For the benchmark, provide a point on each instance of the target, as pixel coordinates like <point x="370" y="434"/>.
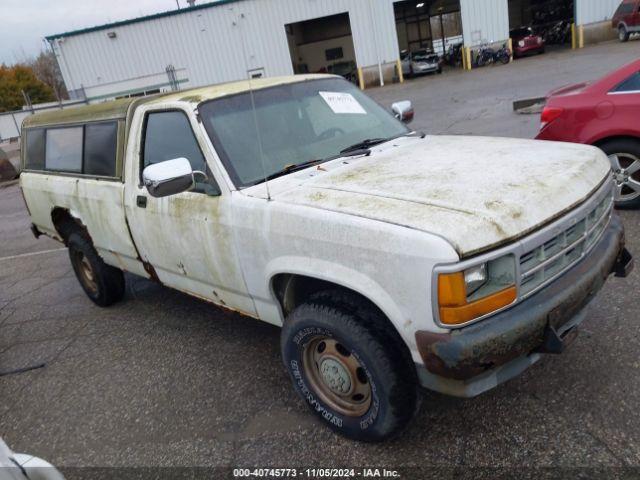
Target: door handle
<point x="141" y="201"/>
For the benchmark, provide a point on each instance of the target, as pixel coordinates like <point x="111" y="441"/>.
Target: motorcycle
<point x="503" y="55"/>
<point x="487" y="56"/>
<point x="558" y="34"/>
<point x="453" y="56"/>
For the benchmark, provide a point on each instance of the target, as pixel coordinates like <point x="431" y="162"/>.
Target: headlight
<point x="521" y="43"/>
<point x="477" y="291"/>
<point x="475" y="277"/>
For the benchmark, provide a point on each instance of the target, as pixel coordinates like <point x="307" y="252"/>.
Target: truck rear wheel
<point x="103" y="284"/>
<point x="350" y="366"/>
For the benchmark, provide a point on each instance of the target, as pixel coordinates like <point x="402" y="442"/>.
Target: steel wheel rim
<point x="336" y="376"/>
<point x="84" y="268"/>
<point x="626" y="176"/>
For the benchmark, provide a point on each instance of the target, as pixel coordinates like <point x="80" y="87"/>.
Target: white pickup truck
<point x="391" y="259"/>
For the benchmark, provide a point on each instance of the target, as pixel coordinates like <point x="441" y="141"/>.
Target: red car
<point x="605" y="113"/>
<point x="627" y="19"/>
<point x="525" y="42"/>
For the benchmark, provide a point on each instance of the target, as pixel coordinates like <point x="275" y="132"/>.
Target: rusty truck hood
<point x="475" y="192"/>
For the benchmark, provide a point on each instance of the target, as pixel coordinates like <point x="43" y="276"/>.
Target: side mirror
<point x="403" y="111"/>
<point x="168" y="178"/>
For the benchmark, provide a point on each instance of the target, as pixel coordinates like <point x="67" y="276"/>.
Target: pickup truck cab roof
<point x="121" y="108"/>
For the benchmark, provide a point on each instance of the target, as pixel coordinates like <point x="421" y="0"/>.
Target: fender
<point x="339" y="275"/>
<point x="610" y="134"/>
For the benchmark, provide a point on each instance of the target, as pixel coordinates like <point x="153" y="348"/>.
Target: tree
<point x="45" y="67"/>
<point x="17" y="79"/>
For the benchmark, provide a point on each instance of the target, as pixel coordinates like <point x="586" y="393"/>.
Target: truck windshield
<point x="297" y="123"/>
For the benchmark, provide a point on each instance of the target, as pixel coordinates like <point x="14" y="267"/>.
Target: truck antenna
<point x="253" y="104"/>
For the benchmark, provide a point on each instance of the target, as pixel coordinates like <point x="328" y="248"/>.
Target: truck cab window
<point x="168" y="135"/>
<point x="34" y="154"/>
<point x="100" y="144"/>
<point x="63" y="149"/>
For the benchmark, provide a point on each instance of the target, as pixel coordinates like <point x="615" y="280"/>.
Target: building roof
<point x="145" y="18"/>
<point x="118" y="109"/>
<point x="211" y="92"/>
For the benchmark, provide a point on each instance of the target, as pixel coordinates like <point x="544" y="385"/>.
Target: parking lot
<point x="162" y="379"/>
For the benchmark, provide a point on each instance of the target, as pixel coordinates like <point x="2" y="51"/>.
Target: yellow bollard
<point x="510" y="44"/>
<point x="581" y="36"/>
<point x="360" y="78"/>
<point x="574" y="42"/>
<point x="400" y="74"/>
<point x="468" y="55"/>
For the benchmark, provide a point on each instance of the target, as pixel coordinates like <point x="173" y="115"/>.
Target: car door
<point x="185" y="240"/>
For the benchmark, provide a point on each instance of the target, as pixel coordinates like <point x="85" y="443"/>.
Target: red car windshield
<point x="521" y="32"/>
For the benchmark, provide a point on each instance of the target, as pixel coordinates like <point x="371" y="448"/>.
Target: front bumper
<point x="528" y="50"/>
<point x="474" y="359"/>
<point x="427" y="68"/>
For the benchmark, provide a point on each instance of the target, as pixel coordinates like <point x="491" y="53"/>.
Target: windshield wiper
<point x="369" y="142"/>
<point x="372" y="142"/>
<point x="310" y="163"/>
<point x="294" y="168"/>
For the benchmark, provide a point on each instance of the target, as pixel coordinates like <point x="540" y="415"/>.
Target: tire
<point x="343" y="335"/>
<point x="102" y="283"/>
<point x="505" y="59"/>
<point x="623" y="35"/>
<point x="624" y="155"/>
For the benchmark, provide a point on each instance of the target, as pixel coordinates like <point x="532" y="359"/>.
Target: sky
<point x="25" y="23"/>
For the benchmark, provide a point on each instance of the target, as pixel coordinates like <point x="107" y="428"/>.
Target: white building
<point x="231" y="39"/>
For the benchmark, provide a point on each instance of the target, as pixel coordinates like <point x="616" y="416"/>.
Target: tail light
<point x="550" y="114"/>
<point x="539" y="40"/>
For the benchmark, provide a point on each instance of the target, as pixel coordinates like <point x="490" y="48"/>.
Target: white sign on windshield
<point x="341" y="102"/>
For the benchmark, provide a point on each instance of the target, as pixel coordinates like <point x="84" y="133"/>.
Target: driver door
<point x="185" y="240"/>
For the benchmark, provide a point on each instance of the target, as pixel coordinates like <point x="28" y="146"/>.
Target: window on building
<point x="168" y="135"/>
<point x="34" y="154"/>
<point x="63" y="149"/>
<point x="334" y="54"/>
<point x="100" y="143"/>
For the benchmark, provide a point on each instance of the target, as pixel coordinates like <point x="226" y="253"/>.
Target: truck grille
<point x="550" y="259"/>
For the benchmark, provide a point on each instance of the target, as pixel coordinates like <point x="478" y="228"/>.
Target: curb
<point x="9" y="183"/>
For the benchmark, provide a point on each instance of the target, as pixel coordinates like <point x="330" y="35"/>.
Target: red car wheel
<point x="625" y="161"/>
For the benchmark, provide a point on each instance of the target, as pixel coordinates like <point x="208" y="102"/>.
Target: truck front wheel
<point x="350" y="366"/>
<point x="103" y="284"/>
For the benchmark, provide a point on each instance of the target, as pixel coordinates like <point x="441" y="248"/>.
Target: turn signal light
<point x="455" y="309"/>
